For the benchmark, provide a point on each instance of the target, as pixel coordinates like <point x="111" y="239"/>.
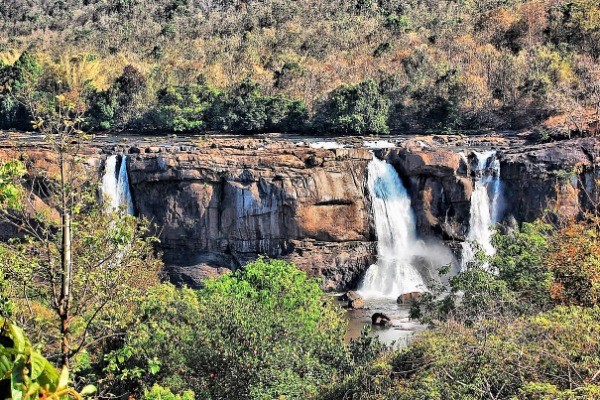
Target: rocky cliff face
<point x="220" y="207"/>
<point x="560" y="180"/>
<point x="222" y="203"/>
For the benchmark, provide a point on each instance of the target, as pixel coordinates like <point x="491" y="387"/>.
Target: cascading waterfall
<point x="115" y="186"/>
<point x="393" y="274"/>
<point x="486" y="206"/>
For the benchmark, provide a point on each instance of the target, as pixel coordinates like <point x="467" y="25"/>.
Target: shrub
<point x="260" y="333"/>
<point x="15" y="81"/>
<point x="243" y="109"/>
<point x="121" y="104"/>
<point x="159" y="393"/>
<point x="184" y="108"/>
<point x="354" y="109"/>
<point x="550" y="355"/>
<point x="574" y="260"/>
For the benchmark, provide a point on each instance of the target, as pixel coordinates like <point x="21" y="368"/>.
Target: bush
<point x="246" y="109"/>
<point x="184" y="108"/>
<point x="15" y="81"/>
<point x="159" y="393"/>
<point x="260" y="333"/>
<point x="550" y="355"/>
<point x="119" y="106"/>
<point x="354" y="109"/>
<point x="516" y="281"/>
<point x="521" y="262"/>
<point x="574" y="260"/>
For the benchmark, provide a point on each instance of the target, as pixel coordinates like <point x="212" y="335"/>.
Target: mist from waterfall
<point x="486" y="206"/>
<point x="115" y="185"/>
<point x="399" y="251"/>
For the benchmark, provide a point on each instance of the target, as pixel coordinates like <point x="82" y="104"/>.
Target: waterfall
<point x="486" y="205"/>
<point x="397" y="243"/>
<point x="115" y="186"/>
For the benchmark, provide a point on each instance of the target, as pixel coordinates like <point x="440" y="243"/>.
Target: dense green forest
<point x="360" y="66"/>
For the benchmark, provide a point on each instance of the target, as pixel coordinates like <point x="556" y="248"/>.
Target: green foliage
<point x="551" y="354"/>
<point x="119" y="106"/>
<point x="11" y="192"/>
<point x="159" y="393"/>
<point x="354" y="109"/>
<point x="15" y="82"/>
<point x="469" y="64"/>
<point x="260" y="333"/>
<point x="515" y="281"/>
<point x="184" y="108"/>
<point x="246" y="109"/>
<point x="521" y="262"/>
<point x="26" y="374"/>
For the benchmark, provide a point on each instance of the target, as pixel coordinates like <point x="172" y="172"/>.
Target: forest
<point x="343" y="67"/>
<point x="86" y="310"/>
<point x="81" y="290"/>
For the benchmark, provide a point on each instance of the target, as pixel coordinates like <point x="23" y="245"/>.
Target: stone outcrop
<point x="221" y="203"/>
<point x="221" y="207"/>
<point x="558" y="178"/>
<point x="409" y="298"/>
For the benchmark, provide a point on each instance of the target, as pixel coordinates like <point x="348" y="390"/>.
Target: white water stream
<point x="486" y="206"/>
<point x="115" y="186"/>
<point x="397" y="243"/>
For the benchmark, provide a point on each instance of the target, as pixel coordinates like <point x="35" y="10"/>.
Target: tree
<point x="354" y="109"/>
<point x="535" y="357"/>
<point x="262" y="332"/>
<point x="574" y="259"/>
<point x="77" y="268"/>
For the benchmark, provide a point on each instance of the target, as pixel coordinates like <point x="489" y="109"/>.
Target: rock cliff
<point x="223" y="202"/>
<point x="220" y="207"/>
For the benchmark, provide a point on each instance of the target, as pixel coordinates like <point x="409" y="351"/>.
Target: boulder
<point x="409" y="298"/>
<point x="381" y="319"/>
<point x="354" y="300"/>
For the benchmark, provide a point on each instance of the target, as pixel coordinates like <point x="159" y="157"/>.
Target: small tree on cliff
<point x="76" y="267"/>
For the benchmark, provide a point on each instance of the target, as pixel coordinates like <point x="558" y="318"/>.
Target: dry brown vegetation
<point x="459" y="64"/>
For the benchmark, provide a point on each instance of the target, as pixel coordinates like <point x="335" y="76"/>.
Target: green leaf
<point x="88" y="390"/>
<point x="18" y="337"/>
<point x="63" y="381"/>
<point x="16" y="379"/>
<point x="38" y="365"/>
<point x="154" y="368"/>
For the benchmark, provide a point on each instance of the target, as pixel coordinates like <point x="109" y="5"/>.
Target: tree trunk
<point x="65" y="294"/>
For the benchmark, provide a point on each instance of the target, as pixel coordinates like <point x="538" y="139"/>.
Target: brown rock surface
<point x="294" y="202"/>
<point x="220" y="203"/>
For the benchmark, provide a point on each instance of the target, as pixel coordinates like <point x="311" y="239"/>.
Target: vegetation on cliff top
<point x="361" y="66"/>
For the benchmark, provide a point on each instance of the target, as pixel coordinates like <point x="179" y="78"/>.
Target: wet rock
<point x="381" y="319"/>
<point x="355" y="301"/>
<point x="409" y="298"/>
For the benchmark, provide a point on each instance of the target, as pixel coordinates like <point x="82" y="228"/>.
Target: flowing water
<point x="397" y="243"/>
<point x="115" y="185"/>
<point x="486" y="206"/>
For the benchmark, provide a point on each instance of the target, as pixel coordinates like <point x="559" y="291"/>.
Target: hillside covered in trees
<point x="360" y="66"/>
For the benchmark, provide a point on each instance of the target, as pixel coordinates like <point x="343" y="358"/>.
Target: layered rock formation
<point x="221" y="203"/>
<point x="220" y="207"/>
